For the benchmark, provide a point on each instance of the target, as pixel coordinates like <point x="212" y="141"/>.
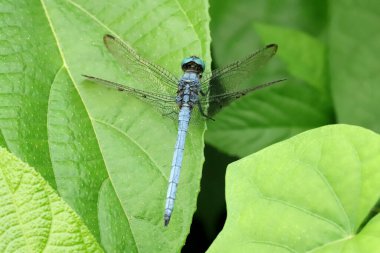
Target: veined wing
<point x="228" y="78"/>
<point x="218" y="101"/>
<point x="165" y="104"/>
<point x="150" y="76"/>
<point x="223" y="84"/>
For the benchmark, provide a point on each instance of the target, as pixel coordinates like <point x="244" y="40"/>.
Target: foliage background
<point x="331" y="47"/>
<point x="328" y="51"/>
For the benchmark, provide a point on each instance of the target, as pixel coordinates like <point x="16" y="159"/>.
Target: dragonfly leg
<point x="202" y="93"/>
<point x="202" y="112"/>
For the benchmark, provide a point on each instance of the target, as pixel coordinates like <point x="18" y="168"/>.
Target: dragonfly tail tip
<point x="166" y="220"/>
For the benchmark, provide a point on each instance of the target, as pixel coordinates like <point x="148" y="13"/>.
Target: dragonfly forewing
<point x="229" y="78"/>
<point x="149" y="75"/>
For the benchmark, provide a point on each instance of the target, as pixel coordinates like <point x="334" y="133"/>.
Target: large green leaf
<point x="298" y="104"/>
<point x="29" y="61"/>
<point x="311" y="193"/>
<point x="108" y="154"/>
<point x="354" y="55"/>
<point x="33" y="218"/>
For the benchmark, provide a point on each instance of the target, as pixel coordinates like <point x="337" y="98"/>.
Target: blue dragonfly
<point x="177" y="98"/>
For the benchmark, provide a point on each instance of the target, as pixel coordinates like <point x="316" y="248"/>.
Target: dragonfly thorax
<point x="188" y="89"/>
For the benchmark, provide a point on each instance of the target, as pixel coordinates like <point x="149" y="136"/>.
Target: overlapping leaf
<point x="311" y="193"/>
<point x="33" y="218"/>
<point x="108" y="154"/>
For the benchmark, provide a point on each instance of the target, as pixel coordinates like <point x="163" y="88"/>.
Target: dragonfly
<point x="196" y="95"/>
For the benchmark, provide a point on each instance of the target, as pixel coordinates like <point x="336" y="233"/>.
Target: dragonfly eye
<point x="192" y="66"/>
<point x="193" y="63"/>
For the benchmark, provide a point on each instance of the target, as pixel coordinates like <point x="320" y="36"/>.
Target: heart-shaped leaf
<point x="311" y="193"/>
<point x="33" y="218"/>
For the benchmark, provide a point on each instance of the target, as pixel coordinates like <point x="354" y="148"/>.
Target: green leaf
<point x="108" y="154"/>
<point x="306" y="61"/>
<point x="311" y="193"/>
<point x="354" y="56"/>
<point x="300" y="103"/>
<point x="75" y="154"/>
<point x="29" y="61"/>
<point x="231" y="23"/>
<point x="33" y="217"/>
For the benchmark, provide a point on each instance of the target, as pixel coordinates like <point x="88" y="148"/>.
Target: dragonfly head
<point x="194" y="64"/>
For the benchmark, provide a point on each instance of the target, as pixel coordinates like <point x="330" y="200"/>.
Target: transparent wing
<point x="165" y="104"/>
<point x="223" y="85"/>
<point x="150" y="76"/>
<point x="229" y="78"/>
<point x="216" y="102"/>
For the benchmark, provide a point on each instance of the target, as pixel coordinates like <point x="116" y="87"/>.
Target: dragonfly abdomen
<point x="183" y="124"/>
